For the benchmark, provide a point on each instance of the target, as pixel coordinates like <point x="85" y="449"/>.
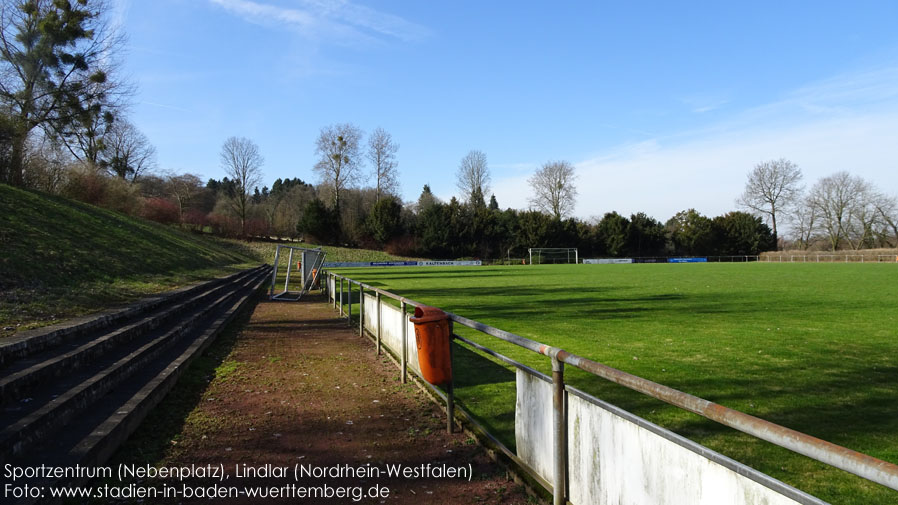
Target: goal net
<point x="299" y="272"/>
<point x="553" y="255"/>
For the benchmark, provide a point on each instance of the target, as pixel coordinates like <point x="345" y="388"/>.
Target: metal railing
<point x="867" y="467"/>
<point x="830" y="258"/>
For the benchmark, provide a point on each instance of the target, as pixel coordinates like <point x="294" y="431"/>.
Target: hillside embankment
<point x="61" y="258"/>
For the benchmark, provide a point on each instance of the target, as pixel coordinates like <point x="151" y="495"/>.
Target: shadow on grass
<point x="485" y="388"/>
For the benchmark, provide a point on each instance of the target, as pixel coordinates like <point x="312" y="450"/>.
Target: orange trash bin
<point x="432" y="338"/>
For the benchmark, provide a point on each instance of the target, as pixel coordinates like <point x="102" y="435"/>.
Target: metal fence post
<point x="560" y="428"/>
<point x="341" y="297"/>
<point x="287" y="280"/>
<point x="404" y="364"/>
<point x="450" y="389"/>
<point x="274" y="272"/>
<point x="361" y="310"/>
<point x="349" y="312"/>
<point x="379" y="314"/>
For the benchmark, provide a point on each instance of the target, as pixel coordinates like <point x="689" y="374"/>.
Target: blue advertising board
<point x="687" y="260"/>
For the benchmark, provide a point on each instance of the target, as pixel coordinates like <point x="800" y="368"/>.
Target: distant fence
<point x="587" y="451"/>
<point x="428" y="263"/>
<point x="672" y="259"/>
<point x="830" y="258"/>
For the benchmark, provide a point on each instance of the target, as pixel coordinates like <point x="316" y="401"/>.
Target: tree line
<point x="339" y="210"/>
<point x="64" y="130"/>
<point x="839" y="211"/>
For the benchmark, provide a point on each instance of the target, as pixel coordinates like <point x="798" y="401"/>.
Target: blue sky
<point x="660" y="106"/>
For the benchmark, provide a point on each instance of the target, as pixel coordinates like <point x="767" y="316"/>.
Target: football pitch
<point x="813" y="347"/>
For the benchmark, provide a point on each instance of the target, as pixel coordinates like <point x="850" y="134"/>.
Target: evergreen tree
<point x="320" y="222"/>
<point x="426" y="199"/>
<point x="645" y="236"/>
<point x="51" y="58"/>
<point x="384" y="221"/>
<point x="612" y="231"/>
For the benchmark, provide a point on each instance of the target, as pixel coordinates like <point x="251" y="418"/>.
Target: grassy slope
<point x="811" y="347"/>
<point x="266" y="251"/>
<point x="60" y="258"/>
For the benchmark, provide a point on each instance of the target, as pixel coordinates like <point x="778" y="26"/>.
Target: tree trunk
<point x="16" y="167"/>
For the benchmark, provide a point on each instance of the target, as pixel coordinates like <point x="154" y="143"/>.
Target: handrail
<point x="862" y="465"/>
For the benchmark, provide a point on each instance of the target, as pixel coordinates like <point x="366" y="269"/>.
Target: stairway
<point x="70" y="395"/>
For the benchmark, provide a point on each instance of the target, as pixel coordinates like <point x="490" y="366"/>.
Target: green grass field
<point x="811" y="347"/>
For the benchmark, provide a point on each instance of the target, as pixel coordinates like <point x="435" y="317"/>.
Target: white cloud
<point x="119" y="15"/>
<point x="849" y="122"/>
<point x="701" y="103"/>
<point x="339" y="21"/>
<point x="710" y="174"/>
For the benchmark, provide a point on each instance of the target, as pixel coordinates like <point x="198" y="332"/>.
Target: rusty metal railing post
<point x="361" y="310"/>
<point x="274" y="272"/>
<point x="379" y="313"/>
<point x="341" y="297"/>
<point x="287" y="280"/>
<point x="450" y="388"/>
<point x="559" y="426"/>
<point x="403" y="375"/>
<point x="349" y="312"/>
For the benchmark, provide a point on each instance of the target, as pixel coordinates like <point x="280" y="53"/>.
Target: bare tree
<point x="835" y="199"/>
<point x="865" y="218"/>
<point x="242" y="162"/>
<point x="338" y="167"/>
<point x="128" y="153"/>
<point x="473" y="177"/>
<point x="804" y="222"/>
<point x="553" y="188"/>
<point x="771" y="187"/>
<point x="47" y="164"/>
<point x="382" y="153"/>
<point x="86" y="136"/>
<point x="184" y="188"/>
<point x="887" y="207"/>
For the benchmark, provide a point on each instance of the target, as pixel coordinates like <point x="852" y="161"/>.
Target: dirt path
<point x="300" y="387"/>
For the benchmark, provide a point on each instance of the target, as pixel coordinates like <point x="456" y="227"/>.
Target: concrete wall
<point x="615" y="458"/>
<point x="391" y="329"/>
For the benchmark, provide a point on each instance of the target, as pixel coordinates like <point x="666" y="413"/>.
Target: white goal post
<point x="553" y="255"/>
<point x="305" y="275"/>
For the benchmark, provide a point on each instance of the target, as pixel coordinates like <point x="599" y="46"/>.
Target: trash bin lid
<point x="425" y="314"/>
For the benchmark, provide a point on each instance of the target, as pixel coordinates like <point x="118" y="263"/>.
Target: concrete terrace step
<point x="31" y="342"/>
<point x="84" y="413"/>
<point x="59" y="402"/>
<point x="21" y="375"/>
<point x="93" y="439"/>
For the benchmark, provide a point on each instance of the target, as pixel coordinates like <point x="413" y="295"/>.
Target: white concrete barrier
<point x="617" y="458"/>
<point x="391" y="329"/>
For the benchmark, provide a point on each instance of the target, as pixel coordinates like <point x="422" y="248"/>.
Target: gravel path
<point x="300" y="387"/>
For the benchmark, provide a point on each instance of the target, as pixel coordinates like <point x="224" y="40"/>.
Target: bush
<point x="224" y="226"/>
<point x="98" y="189"/>
<point x="257" y="228"/>
<point x="160" y="210"/>
<point x="405" y="245"/>
<point x="195" y="219"/>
